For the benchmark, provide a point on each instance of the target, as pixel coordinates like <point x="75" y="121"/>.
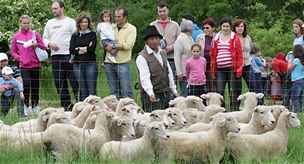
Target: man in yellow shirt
<point x="117" y="67"/>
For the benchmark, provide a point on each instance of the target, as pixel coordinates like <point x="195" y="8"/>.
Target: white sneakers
<point x="30" y="110"/>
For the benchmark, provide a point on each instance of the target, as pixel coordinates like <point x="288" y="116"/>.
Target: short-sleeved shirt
<point x="16" y="70"/>
<point x="298" y="71"/>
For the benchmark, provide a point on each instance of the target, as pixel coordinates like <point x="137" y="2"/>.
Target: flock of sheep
<point x="116" y="129"/>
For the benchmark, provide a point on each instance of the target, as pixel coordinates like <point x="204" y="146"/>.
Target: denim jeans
<point x="297" y="92"/>
<point x="286" y="90"/>
<point x="5" y="104"/>
<point x="227" y="76"/>
<point x="119" y="79"/>
<point x="183" y="87"/>
<point x="31" y="86"/>
<point x="62" y="73"/>
<point x="86" y="74"/>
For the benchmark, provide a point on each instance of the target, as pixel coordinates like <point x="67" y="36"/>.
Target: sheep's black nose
<point x="166" y="126"/>
<point x="168" y="136"/>
<point x="272" y="122"/>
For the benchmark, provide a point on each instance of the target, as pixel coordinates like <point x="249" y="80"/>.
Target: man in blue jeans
<point x="118" y="68"/>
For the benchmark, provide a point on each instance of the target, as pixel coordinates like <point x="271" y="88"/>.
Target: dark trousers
<point x="162" y="101"/>
<point x="211" y="84"/>
<point x="86" y="74"/>
<point x="62" y="73"/>
<point x="287" y="84"/>
<point x="227" y="76"/>
<point x="256" y="85"/>
<point x="6" y="101"/>
<point x="31" y="86"/>
<point x="246" y="74"/>
<point x="196" y="90"/>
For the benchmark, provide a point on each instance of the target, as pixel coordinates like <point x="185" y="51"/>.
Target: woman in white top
<point x="298" y="32"/>
<point x="240" y="27"/>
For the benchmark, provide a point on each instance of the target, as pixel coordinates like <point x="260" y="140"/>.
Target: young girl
<point x="105" y="28"/>
<point x="195" y="72"/>
<point x="256" y="67"/>
<point x="296" y="67"/>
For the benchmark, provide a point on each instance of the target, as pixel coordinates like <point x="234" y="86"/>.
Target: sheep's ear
<point x="241" y="97"/>
<point x="152" y="115"/>
<point x="222" y="97"/>
<point x="205" y="96"/>
<point x="260" y="95"/>
<point x="256" y="109"/>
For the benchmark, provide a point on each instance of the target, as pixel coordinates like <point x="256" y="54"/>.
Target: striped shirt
<point x="224" y="55"/>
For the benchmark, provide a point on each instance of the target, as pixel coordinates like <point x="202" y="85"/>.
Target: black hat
<point x="151" y="31"/>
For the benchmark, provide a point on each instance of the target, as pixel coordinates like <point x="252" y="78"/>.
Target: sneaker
<point x="36" y="109"/>
<point x="26" y="110"/>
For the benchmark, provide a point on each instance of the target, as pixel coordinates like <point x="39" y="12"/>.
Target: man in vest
<point x="155" y="74"/>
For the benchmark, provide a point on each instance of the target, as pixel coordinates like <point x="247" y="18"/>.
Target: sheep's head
<point x="156" y="130"/>
<point x="45" y="114"/>
<point x="213" y="109"/>
<point x="178" y="102"/>
<point x="277" y="110"/>
<point x="250" y="99"/>
<point x="58" y="117"/>
<point x="293" y="120"/>
<point x="111" y="101"/>
<point x="191" y="115"/>
<point x="129" y="110"/>
<point x="162" y="116"/>
<point x="177" y="115"/>
<point x="227" y="123"/>
<point x="213" y="98"/>
<point x="125" y="126"/>
<point x="264" y="116"/>
<point x="92" y="99"/>
<point x="195" y="102"/>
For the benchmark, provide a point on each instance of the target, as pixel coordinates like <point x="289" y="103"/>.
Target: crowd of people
<point x="197" y="60"/>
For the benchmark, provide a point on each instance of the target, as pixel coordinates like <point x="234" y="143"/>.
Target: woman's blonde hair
<point x="25" y="17"/>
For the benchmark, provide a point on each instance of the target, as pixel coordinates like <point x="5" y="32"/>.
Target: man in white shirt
<point x="155" y="74"/>
<point x="57" y="35"/>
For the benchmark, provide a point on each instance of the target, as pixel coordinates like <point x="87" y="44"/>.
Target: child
<point x="256" y="67"/>
<point x="105" y="28"/>
<point x="10" y="86"/>
<point x="195" y="72"/>
<point x="296" y="67"/>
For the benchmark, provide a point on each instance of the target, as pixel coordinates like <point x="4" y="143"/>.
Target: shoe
<point x="36" y="109"/>
<point x="27" y="110"/>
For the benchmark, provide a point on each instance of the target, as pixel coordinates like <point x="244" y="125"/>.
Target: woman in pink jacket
<point x="23" y="51"/>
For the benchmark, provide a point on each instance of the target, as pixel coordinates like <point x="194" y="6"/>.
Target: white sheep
<point x="67" y="141"/>
<point x="177" y="116"/>
<point x="39" y="124"/>
<point x="262" y="119"/>
<point x="128" y="110"/>
<point x="206" y="146"/>
<point x="58" y="117"/>
<point x="155" y="116"/>
<point x="144" y="148"/>
<point x="111" y="101"/>
<point x="187" y="102"/>
<point x="97" y="101"/>
<point x="268" y="145"/>
<point x="80" y="119"/>
<point x="213" y="98"/>
<point x="249" y="101"/>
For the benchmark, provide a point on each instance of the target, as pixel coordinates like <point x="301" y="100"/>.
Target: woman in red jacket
<point x="227" y="62"/>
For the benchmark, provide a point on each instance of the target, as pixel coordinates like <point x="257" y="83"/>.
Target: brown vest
<point x="158" y="73"/>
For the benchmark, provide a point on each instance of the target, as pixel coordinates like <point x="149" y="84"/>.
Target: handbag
<point x="41" y="54"/>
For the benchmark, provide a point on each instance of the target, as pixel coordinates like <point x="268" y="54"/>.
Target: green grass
<point x="49" y="97"/>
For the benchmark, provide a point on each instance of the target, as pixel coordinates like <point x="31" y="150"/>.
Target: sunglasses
<point x="206" y="28"/>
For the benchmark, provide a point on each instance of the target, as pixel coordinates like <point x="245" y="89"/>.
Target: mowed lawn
<point x="48" y="97"/>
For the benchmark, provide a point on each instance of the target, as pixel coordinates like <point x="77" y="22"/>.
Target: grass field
<point x="49" y="97"/>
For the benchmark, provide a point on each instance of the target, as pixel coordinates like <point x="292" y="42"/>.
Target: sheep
<point x="83" y="115"/>
<point x="178" y="117"/>
<point x="145" y="148"/>
<point x="36" y="125"/>
<point x="187" y="102"/>
<point x="156" y="115"/>
<point x="249" y="101"/>
<point x="129" y="110"/>
<point x="97" y="101"/>
<point x="77" y="108"/>
<point x="197" y="127"/>
<point x="67" y="141"/>
<point x="58" y="117"/>
<point x="206" y="146"/>
<point x="261" y="120"/>
<point x="213" y="98"/>
<point x="111" y="102"/>
<point x="264" y="146"/>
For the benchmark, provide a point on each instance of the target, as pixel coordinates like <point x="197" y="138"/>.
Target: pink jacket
<point x="26" y="57"/>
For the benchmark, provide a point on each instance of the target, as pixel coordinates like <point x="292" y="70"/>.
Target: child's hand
<point x="21" y="96"/>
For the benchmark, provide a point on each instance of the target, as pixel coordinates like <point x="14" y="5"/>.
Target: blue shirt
<point x="13" y="84"/>
<point x="196" y="32"/>
<point x="257" y="65"/>
<point x="298" y="71"/>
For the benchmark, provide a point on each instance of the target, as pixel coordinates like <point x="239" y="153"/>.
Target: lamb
<point x="77" y="108"/>
<point x="206" y="146"/>
<point x="83" y="115"/>
<point x="213" y="98"/>
<point x="178" y="117"/>
<point x="197" y="127"/>
<point x="97" y="101"/>
<point x="264" y="146"/>
<point x="145" y="148"/>
<point x="72" y="140"/>
<point x="187" y="102"/>
<point x="36" y="125"/>
<point x="249" y="101"/>
<point x="261" y="120"/>
<point x="129" y="110"/>
<point x="58" y="117"/>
